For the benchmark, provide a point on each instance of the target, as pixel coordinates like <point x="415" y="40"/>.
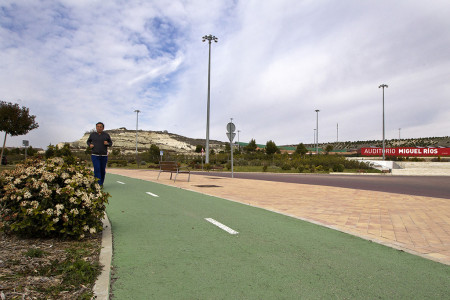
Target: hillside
<point x="416" y="142"/>
<point x="125" y="140"/>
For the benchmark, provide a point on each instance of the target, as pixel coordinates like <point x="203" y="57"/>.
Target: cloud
<point x="74" y="63"/>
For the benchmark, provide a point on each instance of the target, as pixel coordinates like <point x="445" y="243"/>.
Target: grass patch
<point x="34" y="252"/>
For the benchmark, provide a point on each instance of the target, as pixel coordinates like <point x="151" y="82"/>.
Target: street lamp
<point x="317" y="131"/>
<point x="383" y="86"/>
<point x="239" y="144"/>
<point x="314" y="138"/>
<point x="208" y="38"/>
<point x="137" y="111"/>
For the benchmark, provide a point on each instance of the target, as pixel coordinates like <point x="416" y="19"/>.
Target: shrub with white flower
<point x="51" y="199"/>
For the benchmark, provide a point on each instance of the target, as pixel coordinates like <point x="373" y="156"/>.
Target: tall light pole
<point x="399" y="133"/>
<point x="314" y="138"/>
<point x="208" y="38"/>
<point x="317" y="131"/>
<point x="239" y="144"/>
<point x="137" y="111"/>
<point x="384" y="148"/>
<point x="337" y="132"/>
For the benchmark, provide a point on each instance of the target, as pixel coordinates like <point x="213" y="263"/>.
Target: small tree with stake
<point x="15" y="120"/>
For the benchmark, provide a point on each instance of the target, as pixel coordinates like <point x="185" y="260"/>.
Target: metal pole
<point x="239" y="144"/>
<point x="209" y="38"/>
<point x="314" y="138"/>
<point x="384" y="146"/>
<point x="231" y="147"/>
<point x="317" y="131"/>
<point x="137" y="118"/>
<point x="337" y="132"/>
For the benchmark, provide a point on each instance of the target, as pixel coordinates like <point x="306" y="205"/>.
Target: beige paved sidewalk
<point x="415" y="224"/>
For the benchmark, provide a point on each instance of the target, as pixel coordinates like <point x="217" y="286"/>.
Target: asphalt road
<point x="431" y="186"/>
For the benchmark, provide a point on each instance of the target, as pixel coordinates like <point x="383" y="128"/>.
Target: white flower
<point x="85" y="228"/>
<point x="74" y="211"/>
<point x="30" y="211"/>
<point x="92" y="230"/>
<point x="55" y="220"/>
<point x="27" y="195"/>
<point x="35" y="204"/>
<point x="59" y="207"/>
<point x="49" y="211"/>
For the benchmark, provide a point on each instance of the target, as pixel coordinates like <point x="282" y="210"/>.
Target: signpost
<point x="231" y="128"/>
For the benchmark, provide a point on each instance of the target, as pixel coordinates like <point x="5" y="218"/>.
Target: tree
<point x="328" y="149"/>
<point x="251" y="147"/>
<point x="271" y="147"/>
<point x="154" y="153"/>
<point x="198" y="148"/>
<point x="15" y="120"/>
<point x="301" y="149"/>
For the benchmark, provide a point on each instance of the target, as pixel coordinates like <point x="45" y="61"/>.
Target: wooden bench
<point x="172" y="167"/>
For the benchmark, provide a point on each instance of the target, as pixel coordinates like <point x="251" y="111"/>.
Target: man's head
<point x="99" y="127"/>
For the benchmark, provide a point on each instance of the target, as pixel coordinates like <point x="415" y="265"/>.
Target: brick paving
<point x="415" y="224"/>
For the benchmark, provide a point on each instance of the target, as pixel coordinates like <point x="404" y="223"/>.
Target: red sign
<point x="417" y="151"/>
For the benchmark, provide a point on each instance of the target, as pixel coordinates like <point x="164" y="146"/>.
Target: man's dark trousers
<point x="99" y="163"/>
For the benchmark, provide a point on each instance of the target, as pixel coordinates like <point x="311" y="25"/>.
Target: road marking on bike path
<point x="221" y="226"/>
<point x="151" y="194"/>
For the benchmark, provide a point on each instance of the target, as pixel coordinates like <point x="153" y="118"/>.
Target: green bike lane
<point x="165" y="249"/>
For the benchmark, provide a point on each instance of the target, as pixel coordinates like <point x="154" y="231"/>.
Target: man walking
<point x="99" y="142"/>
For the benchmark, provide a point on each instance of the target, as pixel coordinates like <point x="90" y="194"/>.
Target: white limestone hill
<point x="125" y="140"/>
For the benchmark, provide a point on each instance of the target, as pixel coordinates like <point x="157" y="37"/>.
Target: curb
<point x="101" y="287"/>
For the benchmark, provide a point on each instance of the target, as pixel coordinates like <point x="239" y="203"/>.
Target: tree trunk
<point x="3" y="148"/>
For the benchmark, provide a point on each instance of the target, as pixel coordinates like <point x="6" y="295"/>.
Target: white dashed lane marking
<point x="120" y="182"/>
<point x="151" y="194"/>
<point x="221" y="226"/>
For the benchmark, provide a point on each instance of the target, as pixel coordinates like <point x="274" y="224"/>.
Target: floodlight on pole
<point x="208" y="38"/>
<point x="384" y="145"/>
<point x="317" y="131"/>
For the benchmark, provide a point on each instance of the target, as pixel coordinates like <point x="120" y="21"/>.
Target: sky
<point x="76" y="62"/>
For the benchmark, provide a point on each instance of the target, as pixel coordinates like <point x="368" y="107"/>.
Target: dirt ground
<point x="27" y="267"/>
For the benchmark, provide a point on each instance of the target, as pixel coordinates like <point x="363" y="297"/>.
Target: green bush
<point x="286" y="167"/>
<point x="338" y="168"/>
<point x="117" y="162"/>
<point x="51" y="199"/>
